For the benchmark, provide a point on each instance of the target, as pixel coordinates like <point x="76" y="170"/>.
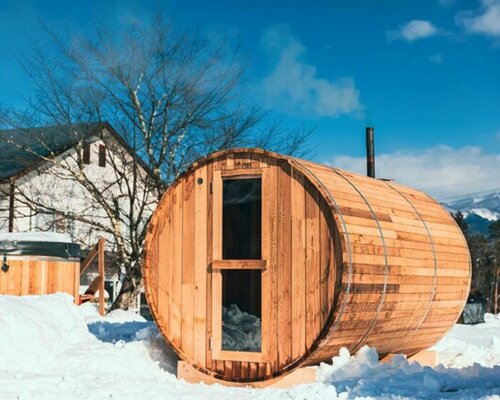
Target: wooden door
<point x="239" y="294"/>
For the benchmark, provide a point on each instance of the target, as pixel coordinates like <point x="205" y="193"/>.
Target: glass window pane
<point x="241" y="219"/>
<point x="241" y="310"/>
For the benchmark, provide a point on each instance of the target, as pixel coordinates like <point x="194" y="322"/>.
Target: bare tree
<point x="171" y="96"/>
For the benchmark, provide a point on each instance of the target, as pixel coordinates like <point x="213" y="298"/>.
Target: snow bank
<point x="364" y="377"/>
<point x="91" y="313"/>
<point x="34" y="237"/>
<point x="466" y="345"/>
<point x="36" y="330"/>
<point x="118" y="325"/>
<point x="51" y="349"/>
<point x="48" y="334"/>
<point x="47" y="352"/>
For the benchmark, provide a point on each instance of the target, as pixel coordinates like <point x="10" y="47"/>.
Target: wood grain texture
<point x="200" y="265"/>
<point x="238" y="264"/>
<point x="35" y="275"/>
<point x="175" y="320"/>
<point x="188" y="265"/>
<point x="346" y="261"/>
<point x="298" y="271"/>
<point x="284" y="268"/>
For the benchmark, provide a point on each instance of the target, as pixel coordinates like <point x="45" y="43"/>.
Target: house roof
<point x="22" y="150"/>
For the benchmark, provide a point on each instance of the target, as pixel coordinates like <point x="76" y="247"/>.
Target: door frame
<point x="218" y="265"/>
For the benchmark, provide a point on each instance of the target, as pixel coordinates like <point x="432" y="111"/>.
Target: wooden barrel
<point x="258" y="263"/>
<point x="39" y="267"/>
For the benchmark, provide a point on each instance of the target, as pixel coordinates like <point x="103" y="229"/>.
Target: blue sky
<point x="426" y="74"/>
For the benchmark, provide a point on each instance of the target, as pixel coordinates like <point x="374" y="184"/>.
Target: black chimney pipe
<point x="370" y="152"/>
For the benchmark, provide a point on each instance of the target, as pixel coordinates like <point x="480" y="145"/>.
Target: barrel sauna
<point x="38" y="267"/>
<point x="258" y="263"/>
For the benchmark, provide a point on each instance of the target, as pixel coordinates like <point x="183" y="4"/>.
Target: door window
<point x="241" y="310"/>
<point x="241" y="219"/>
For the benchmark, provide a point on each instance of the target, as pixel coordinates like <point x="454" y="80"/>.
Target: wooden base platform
<point x="300" y="375"/>
<point x="185" y="371"/>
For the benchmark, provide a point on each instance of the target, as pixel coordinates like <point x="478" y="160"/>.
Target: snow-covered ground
<point x="51" y="349"/>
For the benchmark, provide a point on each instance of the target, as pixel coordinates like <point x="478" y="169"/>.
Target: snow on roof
<point x="24" y="148"/>
<point x="34" y="237"/>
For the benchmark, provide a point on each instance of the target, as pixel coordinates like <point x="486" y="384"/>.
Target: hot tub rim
<point x="65" y="250"/>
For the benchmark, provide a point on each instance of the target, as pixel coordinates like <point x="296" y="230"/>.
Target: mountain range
<point x="479" y="210"/>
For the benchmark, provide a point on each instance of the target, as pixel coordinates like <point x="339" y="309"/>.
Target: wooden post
<point x="101" y="262"/>
<point x="98" y="283"/>
<point x="495" y="292"/>
<point x="12" y="190"/>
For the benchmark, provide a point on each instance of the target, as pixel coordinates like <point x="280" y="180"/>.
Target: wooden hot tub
<point x="30" y="266"/>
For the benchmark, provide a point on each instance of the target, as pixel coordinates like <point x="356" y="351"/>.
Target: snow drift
<point x="364" y="376"/>
<point x="51" y="349"/>
<point x="466" y="345"/>
<point x="49" y="334"/>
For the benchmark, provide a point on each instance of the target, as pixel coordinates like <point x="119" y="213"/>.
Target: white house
<point x="47" y="175"/>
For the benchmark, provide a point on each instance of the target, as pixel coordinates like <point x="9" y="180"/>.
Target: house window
<point x="70" y="227"/>
<point x="44" y="220"/>
<point x="60" y="224"/>
<point x="102" y="155"/>
<point x="86" y="153"/>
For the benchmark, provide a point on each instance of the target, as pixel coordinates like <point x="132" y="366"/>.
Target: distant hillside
<point x="479" y="211"/>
